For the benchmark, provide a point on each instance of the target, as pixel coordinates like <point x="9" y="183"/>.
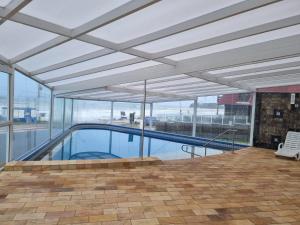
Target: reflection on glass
<point x="58" y="116"/>
<point x="31" y="114"/>
<point x="173" y="117"/>
<point x="216" y="114"/>
<point x="127" y="114"/>
<point x="68" y="113"/>
<point x="86" y="111"/>
<point x="3" y="96"/>
<point x="103" y="144"/>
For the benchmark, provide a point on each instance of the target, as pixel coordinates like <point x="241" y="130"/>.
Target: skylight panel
<point x="70" y="13"/>
<point x="60" y="53"/>
<point x="16" y="38"/>
<point x="106" y="73"/>
<point x="93" y="63"/>
<point x="256" y="65"/>
<point x="257" y="73"/>
<point x="251" y="40"/>
<point x="156" y="17"/>
<point x="4" y="3"/>
<point x="242" y="21"/>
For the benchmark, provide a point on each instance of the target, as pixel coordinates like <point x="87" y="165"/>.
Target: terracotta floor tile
<point x="250" y="187"/>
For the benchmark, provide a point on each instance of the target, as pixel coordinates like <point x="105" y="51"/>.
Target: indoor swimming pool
<point x="107" y="144"/>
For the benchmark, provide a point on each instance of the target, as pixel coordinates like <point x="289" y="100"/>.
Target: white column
<point x="151" y="114"/>
<point x="111" y="112"/>
<point x="252" y="118"/>
<point x="10" y="115"/>
<point x="142" y="115"/>
<point x="51" y="114"/>
<point x="72" y="111"/>
<point x="195" y="117"/>
<point x="143" y="128"/>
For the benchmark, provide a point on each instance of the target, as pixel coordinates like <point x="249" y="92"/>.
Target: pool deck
<point x="248" y="187"/>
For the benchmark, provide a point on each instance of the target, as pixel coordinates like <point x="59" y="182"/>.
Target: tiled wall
<point x="266" y="125"/>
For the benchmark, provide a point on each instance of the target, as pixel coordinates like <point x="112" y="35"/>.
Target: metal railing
<point x="184" y="148"/>
<point x="206" y="119"/>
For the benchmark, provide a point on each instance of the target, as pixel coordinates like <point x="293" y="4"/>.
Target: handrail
<point x="192" y="153"/>
<point x="219" y="135"/>
<point x="210" y="141"/>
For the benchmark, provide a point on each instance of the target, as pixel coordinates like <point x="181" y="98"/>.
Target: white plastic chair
<point x="291" y="147"/>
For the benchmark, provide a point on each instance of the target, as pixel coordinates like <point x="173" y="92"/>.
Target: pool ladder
<point x="184" y="148"/>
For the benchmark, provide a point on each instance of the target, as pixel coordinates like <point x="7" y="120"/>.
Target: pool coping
<point x="80" y="164"/>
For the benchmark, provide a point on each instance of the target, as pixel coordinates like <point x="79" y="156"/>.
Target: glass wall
<point x="3" y="96"/>
<point x="86" y="111"/>
<point x="58" y="117"/>
<point x="127" y="114"/>
<point x="31" y="114"/>
<point x="4" y="138"/>
<point x="216" y="114"/>
<point x="68" y="113"/>
<point x="173" y="117"/>
<point x="4" y="130"/>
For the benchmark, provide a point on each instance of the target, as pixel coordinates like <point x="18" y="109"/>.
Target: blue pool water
<point x="102" y="144"/>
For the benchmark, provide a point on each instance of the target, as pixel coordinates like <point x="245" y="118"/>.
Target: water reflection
<point x="103" y="144"/>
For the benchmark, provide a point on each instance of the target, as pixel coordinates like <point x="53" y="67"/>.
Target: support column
<point x="72" y="110"/>
<point x="143" y="121"/>
<point x="9" y="155"/>
<point x="151" y="115"/>
<point x="195" y="117"/>
<point x="252" y="118"/>
<point x="64" y="114"/>
<point x="111" y="112"/>
<point x="51" y="114"/>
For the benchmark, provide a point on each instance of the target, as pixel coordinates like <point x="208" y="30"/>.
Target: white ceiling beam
<point x="156" y="81"/>
<point x="166" y="86"/>
<point x="235" y="57"/>
<point x="186" y="87"/>
<point x="200" y="90"/>
<point x="279" y="84"/>
<point x="12" y="8"/>
<point x="276" y="25"/>
<point x="258" y="69"/>
<point x="96" y="70"/>
<point x="214" y="92"/>
<point x="201" y="20"/>
<point x="115" y="14"/>
<point x="4" y="60"/>
<point x="70" y="62"/>
<point x="148" y="93"/>
<point x="211" y="17"/>
<point x="271" y="79"/>
<point x="264" y="75"/>
<point x="206" y="76"/>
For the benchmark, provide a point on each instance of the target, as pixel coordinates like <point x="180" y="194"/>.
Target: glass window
<point x="86" y="111"/>
<point x="3" y="96"/>
<point x="58" y="116"/>
<point x="68" y="113"/>
<point x="173" y="117"/>
<point x="31" y="114"/>
<point x="127" y="114"/>
<point x="216" y="114"/>
<point x="4" y="136"/>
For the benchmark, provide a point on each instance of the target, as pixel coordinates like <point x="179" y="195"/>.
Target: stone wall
<point x="270" y="130"/>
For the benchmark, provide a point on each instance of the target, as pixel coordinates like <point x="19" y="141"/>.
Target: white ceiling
<point x="184" y="49"/>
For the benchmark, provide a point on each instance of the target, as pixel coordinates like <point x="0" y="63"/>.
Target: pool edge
<point x="80" y="164"/>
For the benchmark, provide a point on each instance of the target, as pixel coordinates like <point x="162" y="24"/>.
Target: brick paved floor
<point x="249" y="187"/>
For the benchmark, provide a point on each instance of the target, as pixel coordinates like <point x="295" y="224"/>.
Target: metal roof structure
<point x="104" y="50"/>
